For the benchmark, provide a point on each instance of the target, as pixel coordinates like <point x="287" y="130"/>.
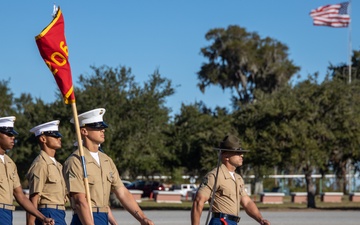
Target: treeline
<point x="307" y="127"/>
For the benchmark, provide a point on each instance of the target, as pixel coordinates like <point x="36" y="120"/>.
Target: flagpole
<point x="53" y="49"/>
<point x="81" y="150"/>
<point x="350" y="45"/>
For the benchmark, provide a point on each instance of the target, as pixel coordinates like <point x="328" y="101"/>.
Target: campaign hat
<point x="231" y="143"/>
<point x="92" y="118"/>
<point x="49" y="129"/>
<point x="7" y="125"/>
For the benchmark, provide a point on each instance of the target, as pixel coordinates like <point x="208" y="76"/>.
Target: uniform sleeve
<point x="116" y="181"/>
<point x="16" y="178"/>
<point x="73" y="175"/>
<point x="37" y="176"/>
<point x="207" y="185"/>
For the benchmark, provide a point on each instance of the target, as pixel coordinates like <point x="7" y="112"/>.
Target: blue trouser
<point x="56" y="214"/>
<point x="217" y="221"/>
<point x="6" y="217"/>
<point x="100" y="218"/>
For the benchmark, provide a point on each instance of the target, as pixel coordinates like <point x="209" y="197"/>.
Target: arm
<point x="252" y="210"/>
<point x="111" y="217"/>
<point x="129" y="203"/>
<point x="29" y="207"/>
<point x="30" y="219"/>
<point x="82" y="208"/>
<point x="197" y="208"/>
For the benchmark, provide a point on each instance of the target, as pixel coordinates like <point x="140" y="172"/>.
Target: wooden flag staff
<point x="81" y="151"/>
<point x="53" y="49"/>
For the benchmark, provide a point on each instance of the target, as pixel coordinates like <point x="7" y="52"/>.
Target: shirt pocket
<point x="227" y="193"/>
<point x="110" y="177"/>
<point x="53" y="179"/>
<point x="91" y="180"/>
<point x="2" y="180"/>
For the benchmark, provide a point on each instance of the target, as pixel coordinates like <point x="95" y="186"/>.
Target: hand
<point x="264" y="222"/>
<point x="146" y="221"/>
<point x="48" y="221"/>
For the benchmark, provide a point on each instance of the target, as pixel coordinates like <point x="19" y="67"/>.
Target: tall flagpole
<point x="350" y="46"/>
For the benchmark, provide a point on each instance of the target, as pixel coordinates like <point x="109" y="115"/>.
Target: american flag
<point x="335" y="15"/>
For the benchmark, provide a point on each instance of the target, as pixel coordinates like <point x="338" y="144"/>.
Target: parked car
<point x="146" y="186"/>
<point x="184" y="188"/>
<point x="126" y="182"/>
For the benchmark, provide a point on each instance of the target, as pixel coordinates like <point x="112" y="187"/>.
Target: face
<point x="96" y="135"/>
<point x="52" y="142"/>
<point x="7" y="142"/>
<point x="235" y="158"/>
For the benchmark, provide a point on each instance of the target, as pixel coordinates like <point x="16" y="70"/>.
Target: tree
<point x="341" y="71"/>
<point x="194" y="134"/>
<point x="340" y="113"/>
<point x="136" y="116"/>
<point x="244" y="62"/>
<point x="285" y="130"/>
<point x="7" y="97"/>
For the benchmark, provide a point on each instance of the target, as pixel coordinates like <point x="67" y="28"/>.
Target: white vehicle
<point x="184" y="188"/>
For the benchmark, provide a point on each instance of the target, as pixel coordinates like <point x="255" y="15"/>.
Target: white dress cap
<point x="92" y="117"/>
<point x="7" y="121"/>
<point x="44" y="128"/>
<point x="7" y="125"/>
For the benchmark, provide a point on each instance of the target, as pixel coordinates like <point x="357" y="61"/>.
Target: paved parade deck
<point x="182" y="217"/>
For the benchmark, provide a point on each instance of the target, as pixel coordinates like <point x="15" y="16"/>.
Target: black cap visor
<point x="55" y="134"/>
<point x="97" y="125"/>
<point x="8" y="131"/>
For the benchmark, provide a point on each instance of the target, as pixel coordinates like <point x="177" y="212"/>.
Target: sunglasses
<point x="55" y="134"/>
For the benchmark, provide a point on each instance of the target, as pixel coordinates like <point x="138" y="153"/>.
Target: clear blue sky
<point x="162" y="34"/>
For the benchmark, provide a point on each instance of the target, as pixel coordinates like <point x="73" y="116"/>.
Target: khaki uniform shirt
<point x="228" y="191"/>
<point x="45" y="178"/>
<point x="9" y="180"/>
<point x="102" y="178"/>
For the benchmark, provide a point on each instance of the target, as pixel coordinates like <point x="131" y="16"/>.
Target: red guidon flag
<point x="53" y="49"/>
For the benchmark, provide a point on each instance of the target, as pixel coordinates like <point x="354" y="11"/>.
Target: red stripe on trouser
<point x="223" y="221"/>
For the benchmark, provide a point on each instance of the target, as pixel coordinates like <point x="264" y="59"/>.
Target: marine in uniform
<point x="46" y="181"/>
<point x="225" y="188"/>
<point x="103" y="176"/>
<point x="9" y="179"/>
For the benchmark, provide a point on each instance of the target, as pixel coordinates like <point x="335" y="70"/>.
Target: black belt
<point x="226" y="216"/>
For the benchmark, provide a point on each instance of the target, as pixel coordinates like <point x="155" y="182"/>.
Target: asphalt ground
<point x="182" y="217"/>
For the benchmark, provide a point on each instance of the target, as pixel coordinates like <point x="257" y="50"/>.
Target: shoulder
<point x="104" y="156"/>
<point x="39" y="160"/>
<point x="213" y="171"/>
<point x="9" y="161"/>
<point x="72" y="159"/>
<point x="74" y="155"/>
<point x="37" y="164"/>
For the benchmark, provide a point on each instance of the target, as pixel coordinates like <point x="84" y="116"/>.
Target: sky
<point x="162" y="35"/>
